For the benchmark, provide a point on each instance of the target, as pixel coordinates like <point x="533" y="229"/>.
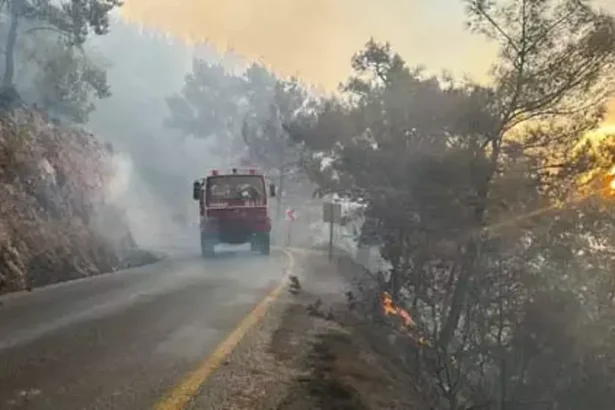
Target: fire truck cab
<point x="234" y="209"/>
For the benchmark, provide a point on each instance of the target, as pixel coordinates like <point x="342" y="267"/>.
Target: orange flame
<point x="391" y="310"/>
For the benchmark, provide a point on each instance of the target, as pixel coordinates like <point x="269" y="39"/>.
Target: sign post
<point x="290" y="217"/>
<point x="331" y="213"/>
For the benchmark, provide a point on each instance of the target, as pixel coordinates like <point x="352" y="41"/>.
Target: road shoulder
<point x="308" y="353"/>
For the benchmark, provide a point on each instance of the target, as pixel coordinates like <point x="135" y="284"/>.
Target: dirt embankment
<point x="53" y="185"/>
<point x="345" y="361"/>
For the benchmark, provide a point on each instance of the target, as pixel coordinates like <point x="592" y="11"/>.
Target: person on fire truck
<point x="248" y="192"/>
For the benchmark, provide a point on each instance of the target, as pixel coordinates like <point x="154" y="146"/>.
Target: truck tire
<point x="265" y="244"/>
<point x="207" y="247"/>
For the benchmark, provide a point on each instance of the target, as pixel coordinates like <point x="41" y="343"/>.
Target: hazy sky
<point x="315" y="39"/>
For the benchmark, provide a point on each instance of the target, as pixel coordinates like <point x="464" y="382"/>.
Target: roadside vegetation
<point x="492" y="204"/>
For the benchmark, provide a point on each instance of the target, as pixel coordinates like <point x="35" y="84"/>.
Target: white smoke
<point x="118" y="186"/>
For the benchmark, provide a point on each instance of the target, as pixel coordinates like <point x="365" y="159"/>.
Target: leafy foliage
<point x="484" y="201"/>
<point x="67" y="83"/>
<point x="70" y="23"/>
<point x="247" y="109"/>
<point x="209" y="103"/>
<point x="73" y="19"/>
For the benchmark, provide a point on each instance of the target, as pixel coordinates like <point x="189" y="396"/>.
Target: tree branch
<point x="477" y="8"/>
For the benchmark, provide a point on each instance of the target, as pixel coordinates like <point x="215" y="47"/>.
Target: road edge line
<point x="179" y="397"/>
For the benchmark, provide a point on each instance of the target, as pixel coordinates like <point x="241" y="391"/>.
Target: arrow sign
<point x="290" y="214"/>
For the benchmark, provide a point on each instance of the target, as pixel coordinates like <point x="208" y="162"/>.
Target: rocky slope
<point x="56" y="223"/>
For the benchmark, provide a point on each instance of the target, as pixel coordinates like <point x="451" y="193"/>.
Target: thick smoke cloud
<point x="315" y="38"/>
<point x="154" y="165"/>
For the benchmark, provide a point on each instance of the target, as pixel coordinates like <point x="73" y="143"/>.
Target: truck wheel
<point x="265" y="244"/>
<point x="207" y="247"/>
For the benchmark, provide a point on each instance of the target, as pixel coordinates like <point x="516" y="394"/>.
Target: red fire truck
<point x="234" y="209"/>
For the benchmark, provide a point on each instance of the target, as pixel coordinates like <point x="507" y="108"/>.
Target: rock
<point x="53" y="182"/>
<point x="295" y="286"/>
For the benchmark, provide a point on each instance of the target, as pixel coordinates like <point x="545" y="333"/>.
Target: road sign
<point x="331" y="212"/>
<point x="290" y="214"/>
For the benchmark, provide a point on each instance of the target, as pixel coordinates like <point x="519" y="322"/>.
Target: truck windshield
<point x="244" y="189"/>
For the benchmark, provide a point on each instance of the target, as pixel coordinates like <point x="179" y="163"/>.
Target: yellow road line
<point x="179" y="397"/>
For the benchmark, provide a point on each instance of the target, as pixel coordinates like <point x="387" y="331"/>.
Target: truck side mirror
<point x="272" y="190"/>
<point x="196" y="190"/>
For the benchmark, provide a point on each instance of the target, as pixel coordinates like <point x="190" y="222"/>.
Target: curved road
<point x="123" y="340"/>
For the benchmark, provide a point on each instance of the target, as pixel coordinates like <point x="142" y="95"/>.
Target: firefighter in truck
<point x="234" y="209"/>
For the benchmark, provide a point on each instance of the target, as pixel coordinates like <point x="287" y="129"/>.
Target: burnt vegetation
<point x="487" y="203"/>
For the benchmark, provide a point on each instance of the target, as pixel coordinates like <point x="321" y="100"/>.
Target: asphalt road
<point x="123" y="340"/>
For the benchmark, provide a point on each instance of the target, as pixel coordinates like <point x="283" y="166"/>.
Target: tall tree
<point x="555" y="60"/>
<point x="488" y="220"/>
<point x="210" y="105"/>
<point x="67" y="82"/>
<point x="272" y="104"/>
<point x="73" y="20"/>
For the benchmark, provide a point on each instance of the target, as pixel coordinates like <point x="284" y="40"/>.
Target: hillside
<point x="56" y="222"/>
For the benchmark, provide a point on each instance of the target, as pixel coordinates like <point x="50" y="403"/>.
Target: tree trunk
<point x="459" y="294"/>
<point x="470" y="259"/>
<point x="468" y="268"/>
<point x="396" y="279"/>
<point x="11" y="42"/>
